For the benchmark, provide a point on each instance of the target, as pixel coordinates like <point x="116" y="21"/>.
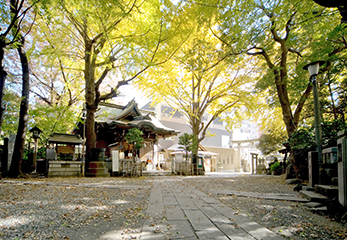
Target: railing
<point x="186" y="168"/>
<point x="129" y="168"/>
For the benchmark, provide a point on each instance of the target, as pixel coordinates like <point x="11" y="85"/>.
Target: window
<point x="225" y="141"/>
<point x="218" y="121"/>
<point x="170" y="138"/>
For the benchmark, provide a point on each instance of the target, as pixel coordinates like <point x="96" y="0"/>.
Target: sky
<point x="128" y="93"/>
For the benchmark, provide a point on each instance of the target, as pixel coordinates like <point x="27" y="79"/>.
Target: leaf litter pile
<point x="72" y="208"/>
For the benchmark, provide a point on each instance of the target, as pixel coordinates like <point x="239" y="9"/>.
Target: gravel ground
<point x="96" y="208"/>
<point x="72" y="208"/>
<point x="291" y="219"/>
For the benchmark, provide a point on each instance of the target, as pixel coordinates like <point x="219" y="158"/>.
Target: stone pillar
<point x="342" y="167"/>
<point x="313" y="169"/>
<point x="11" y="142"/>
<point x="115" y="161"/>
<point x="254" y="157"/>
<point x="4" y="157"/>
<point x="238" y="158"/>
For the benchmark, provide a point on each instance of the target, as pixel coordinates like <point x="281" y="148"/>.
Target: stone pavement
<point x="179" y="211"/>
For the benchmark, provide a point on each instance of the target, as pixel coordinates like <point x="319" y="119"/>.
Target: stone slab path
<point x="179" y="211"/>
<point x="269" y="196"/>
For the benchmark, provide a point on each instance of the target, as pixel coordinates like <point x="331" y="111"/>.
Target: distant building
<point x="218" y="141"/>
<point x="248" y="130"/>
<point x="245" y="139"/>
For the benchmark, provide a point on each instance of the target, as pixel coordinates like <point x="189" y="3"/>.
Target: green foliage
<point x="186" y="141"/>
<point x="302" y="141"/>
<point x="282" y="36"/>
<point x="330" y="130"/>
<point x="27" y="154"/>
<point x="274" y="133"/>
<point x="189" y="143"/>
<point x="269" y="143"/>
<point x="11" y="115"/>
<point x="276" y="168"/>
<point x="56" y="118"/>
<point x="134" y="136"/>
<point x="41" y="153"/>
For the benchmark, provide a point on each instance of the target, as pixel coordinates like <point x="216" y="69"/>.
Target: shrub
<point x="276" y="168"/>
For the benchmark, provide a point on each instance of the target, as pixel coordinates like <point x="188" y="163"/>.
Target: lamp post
<point x="313" y="69"/>
<point x="84" y="117"/>
<point x="36" y="134"/>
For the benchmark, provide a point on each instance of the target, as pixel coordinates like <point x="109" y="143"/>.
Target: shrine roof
<point x="130" y="116"/>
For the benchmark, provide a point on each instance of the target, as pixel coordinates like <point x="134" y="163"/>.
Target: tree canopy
<point x="223" y="58"/>
<point x="200" y="79"/>
<point x="107" y="44"/>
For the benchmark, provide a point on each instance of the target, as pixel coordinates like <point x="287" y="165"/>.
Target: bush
<point x="276" y="168"/>
<point x="301" y="142"/>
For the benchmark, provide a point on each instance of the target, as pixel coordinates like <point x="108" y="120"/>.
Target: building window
<point x="225" y="141"/>
<point x="170" y="138"/>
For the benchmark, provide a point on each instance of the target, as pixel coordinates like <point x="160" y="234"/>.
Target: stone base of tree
<point x="97" y="169"/>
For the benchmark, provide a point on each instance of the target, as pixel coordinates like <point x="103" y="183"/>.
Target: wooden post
<point x="33" y="166"/>
<point x="4" y="158"/>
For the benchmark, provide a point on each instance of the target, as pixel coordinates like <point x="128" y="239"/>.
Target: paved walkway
<point x="180" y="211"/>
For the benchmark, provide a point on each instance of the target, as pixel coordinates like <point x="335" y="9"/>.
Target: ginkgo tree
<point x="19" y="27"/>
<point x="13" y="28"/>
<point x="57" y="90"/>
<point x="110" y="42"/>
<point x="198" y="81"/>
<point x="284" y="35"/>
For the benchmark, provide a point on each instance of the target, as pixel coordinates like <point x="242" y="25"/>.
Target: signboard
<point x="200" y="162"/>
<point x="115" y="161"/>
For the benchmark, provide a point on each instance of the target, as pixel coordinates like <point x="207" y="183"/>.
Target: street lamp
<point x="313" y="69"/>
<point x="84" y="118"/>
<point x="36" y="134"/>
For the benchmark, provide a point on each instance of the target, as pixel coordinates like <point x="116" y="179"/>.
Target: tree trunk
<point x="17" y="157"/>
<point x="90" y="100"/>
<point x="2" y="80"/>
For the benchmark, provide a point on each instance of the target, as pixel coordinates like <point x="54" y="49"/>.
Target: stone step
<point x="156" y="173"/>
<point x="97" y="170"/>
<point x="97" y="175"/>
<point x="327" y="190"/>
<point x="321" y="210"/>
<point x="97" y="165"/>
<point x="308" y="188"/>
<point x="313" y="196"/>
<point x="293" y="181"/>
<point x="313" y="204"/>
